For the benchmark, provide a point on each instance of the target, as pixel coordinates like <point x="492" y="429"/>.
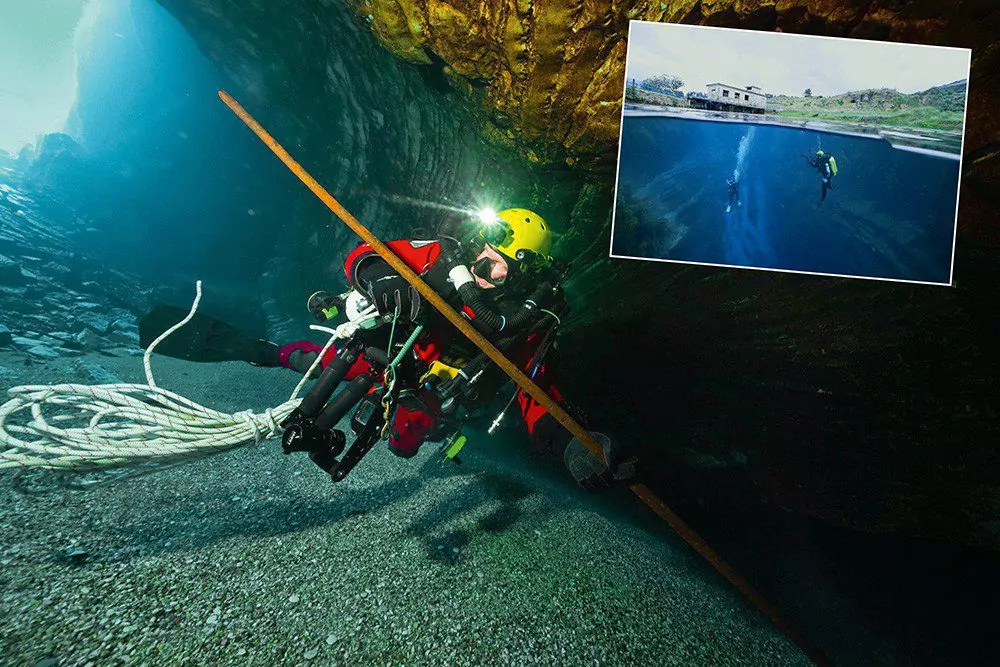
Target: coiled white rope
<point x="81" y="428"/>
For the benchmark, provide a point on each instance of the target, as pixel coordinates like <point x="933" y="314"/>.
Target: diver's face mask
<point x="491" y="268"/>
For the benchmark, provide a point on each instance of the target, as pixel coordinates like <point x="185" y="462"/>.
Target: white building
<point x="741" y="99"/>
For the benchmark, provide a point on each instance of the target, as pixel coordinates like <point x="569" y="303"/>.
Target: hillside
<point x="940" y="107"/>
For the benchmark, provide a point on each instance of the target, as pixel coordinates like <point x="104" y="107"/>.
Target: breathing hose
<point x="486" y="314"/>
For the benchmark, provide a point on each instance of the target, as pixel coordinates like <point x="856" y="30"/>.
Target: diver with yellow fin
<point x="826" y="165"/>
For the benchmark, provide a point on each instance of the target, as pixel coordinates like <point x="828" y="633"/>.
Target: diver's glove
<point x="594" y="474"/>
<point x="390" y="292"/>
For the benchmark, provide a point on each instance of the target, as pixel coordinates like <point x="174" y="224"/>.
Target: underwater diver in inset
<point x="826" y="165"/>
<point x="734" y="193"/>
<point x="503" y="281"/>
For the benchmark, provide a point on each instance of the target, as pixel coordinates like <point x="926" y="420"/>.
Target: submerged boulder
<point x="44" y="352"/>
<point x="94" y="373"/>
<point x="87" y="340"/>
<point x="11" y="272"/>
<point x="6" y="336"/>
<point x="95" y="322"/>
<point x="27" y="341"/>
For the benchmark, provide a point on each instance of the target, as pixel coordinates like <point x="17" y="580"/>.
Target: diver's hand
<point x="392" y="295"/>
<point x="549" y="296"/>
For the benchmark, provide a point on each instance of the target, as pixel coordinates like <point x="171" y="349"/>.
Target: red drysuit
<point x="413" y="421"/>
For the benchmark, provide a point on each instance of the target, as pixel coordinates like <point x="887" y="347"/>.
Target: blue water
<point x="165" y="171"/>
<point x="890" y="214"/>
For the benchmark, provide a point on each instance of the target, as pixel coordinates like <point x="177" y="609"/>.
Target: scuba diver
<point x="827" y="167"/>
<point x="503" y="280"/>
<point x="734" y="193"/>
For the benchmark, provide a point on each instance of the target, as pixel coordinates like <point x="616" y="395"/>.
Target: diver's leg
<point x="299" y="356"/>
<point x="203" y="338"/>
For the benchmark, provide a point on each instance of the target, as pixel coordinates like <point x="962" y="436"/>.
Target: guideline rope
<point x="82" y="428"/>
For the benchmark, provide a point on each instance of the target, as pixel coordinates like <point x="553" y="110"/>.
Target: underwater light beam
<point x="424" y="203"/>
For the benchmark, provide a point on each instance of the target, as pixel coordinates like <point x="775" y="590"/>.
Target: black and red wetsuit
<point x="441" y="341"/>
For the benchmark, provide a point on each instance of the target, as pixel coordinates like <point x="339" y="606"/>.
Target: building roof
<point x="727" y="85"/>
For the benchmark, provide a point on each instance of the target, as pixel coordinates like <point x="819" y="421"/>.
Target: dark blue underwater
<point x="890" y="213"/>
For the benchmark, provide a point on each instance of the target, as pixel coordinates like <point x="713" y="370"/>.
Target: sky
<point x="786" y="64"/>
<point x="38" y="66"/>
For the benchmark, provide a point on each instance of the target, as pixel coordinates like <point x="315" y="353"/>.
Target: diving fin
<point x="204" y="338"/>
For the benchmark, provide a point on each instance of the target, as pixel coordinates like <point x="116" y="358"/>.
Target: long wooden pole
<point x="524" y="382"/>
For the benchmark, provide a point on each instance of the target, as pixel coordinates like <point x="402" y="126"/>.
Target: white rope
<point x="80" y="428"/>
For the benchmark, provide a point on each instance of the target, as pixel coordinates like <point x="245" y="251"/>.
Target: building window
<point x="725" y="93"/>
<point x="747" y="97"/>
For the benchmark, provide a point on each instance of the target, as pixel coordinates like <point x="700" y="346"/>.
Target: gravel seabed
<point x="256" y="558"/>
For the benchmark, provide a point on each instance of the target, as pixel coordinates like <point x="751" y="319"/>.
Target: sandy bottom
<point x="256" y="558"/>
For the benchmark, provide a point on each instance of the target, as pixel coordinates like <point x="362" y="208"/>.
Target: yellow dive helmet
<point x="514" y="230"/>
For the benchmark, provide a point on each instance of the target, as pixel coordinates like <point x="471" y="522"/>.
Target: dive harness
<point x="312" y="425"/>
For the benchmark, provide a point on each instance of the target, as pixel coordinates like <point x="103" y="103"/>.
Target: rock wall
<point x="55" y="302"/>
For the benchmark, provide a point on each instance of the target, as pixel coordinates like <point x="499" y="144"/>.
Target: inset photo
<point x="788" y="152"/>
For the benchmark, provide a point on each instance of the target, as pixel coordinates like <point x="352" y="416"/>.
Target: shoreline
<point x="899" y="137"/>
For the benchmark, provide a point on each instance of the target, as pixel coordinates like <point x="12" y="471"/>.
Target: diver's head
<point x="820" y="153"/>
<point x="517" y="242"/>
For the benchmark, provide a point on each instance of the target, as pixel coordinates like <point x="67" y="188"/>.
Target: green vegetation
<point x="946" y="98"/>
<point x="939" y="108"/>
<point x="918" y="117"/>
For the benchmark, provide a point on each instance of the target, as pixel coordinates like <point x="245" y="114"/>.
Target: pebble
<point x="332" y="639"/>
<point x="293" y="599"/>
<point x="311" y="653"/>
<point x="77" y="555"/>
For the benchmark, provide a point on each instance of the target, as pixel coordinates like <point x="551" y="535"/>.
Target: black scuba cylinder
<point x="343" y="402"/>
<point x="328" y="381"/>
